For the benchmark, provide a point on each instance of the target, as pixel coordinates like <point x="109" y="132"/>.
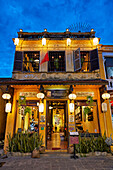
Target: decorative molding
<point x="84" y="94"/>
<point x="28" y="94"/>
<point x="55" y="76"/>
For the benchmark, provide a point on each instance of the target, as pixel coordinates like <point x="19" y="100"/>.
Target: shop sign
<point x="42" y="118"/>
<point x="28" y="94"/>
<point x="42" y="125"/>
<point x="71" y="124"/>
<point x="71" y="118"/>
<point x="57" y="94"/>
<point x="71" y="128"/>
<point x="74" y="133"/>
<point x="84" y="94"/>
<point x="74" y="140"/>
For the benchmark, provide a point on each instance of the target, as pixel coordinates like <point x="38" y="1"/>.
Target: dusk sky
<point x="55" y="15"/>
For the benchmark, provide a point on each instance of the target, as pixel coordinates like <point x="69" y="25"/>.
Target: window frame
<point x="33" y="52"/>
<point x="49" y="71"/>
<point x="105" y="65"/>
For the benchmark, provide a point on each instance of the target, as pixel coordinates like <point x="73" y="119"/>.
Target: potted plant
<point x="27" y="110"/>
<point x="88" y="109"/>
<point x="89" y="100"/>
<point x="22" y="100"/>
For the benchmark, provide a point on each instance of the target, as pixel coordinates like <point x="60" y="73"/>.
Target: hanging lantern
<point x="41" y="107"/>
<point x="71" y="107"/>
<point x="72" y="96"/>
<point x="40" y="95"/>
<point x="105" y="96"/>
<point x="43" y="41"/>
<point x="6" y="96"/>
<point x="8" y="107"/>
<point x="95" y="41"/>
<point x="104" y="107"/>
<point x="16" y="41"/>
<point x="68" y="41"/>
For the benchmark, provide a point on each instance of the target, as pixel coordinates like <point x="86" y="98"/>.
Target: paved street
<point x="57" y="162"/>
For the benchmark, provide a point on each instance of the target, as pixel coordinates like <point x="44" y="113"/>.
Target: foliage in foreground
<point x="92" y="144"/>
<point x="24" y="142"/>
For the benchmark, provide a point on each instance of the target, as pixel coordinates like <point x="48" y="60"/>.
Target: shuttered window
<point x="77" y="59"/>
<point x="18" y="61"/>
<point x="85" y="61"/>
<point x="94" y="60"/>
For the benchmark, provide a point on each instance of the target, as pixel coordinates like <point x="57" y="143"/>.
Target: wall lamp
<point x="95" y="41"/>
<point x="68" y="41"/>
<point x="43" y="41"/>
<point x="16" y="41"/>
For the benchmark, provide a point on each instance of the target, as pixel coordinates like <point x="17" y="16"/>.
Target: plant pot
<point x="35" y="154"/>
<point x="104" y="153"/>
<point x="97" y="153"/>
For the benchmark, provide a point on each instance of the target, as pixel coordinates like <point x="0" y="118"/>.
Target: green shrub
<point x="24" y="142"/>
<point x="92" y="144"/>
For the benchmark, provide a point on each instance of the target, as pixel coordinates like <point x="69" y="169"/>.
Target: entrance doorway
<point x="57" y="125"/>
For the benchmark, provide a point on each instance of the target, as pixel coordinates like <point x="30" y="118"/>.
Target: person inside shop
<point x="55" y="126"/>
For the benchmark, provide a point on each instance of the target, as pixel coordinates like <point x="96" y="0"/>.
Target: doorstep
<point x="61" y="150"/>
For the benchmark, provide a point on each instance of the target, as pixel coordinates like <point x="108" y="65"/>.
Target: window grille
<point x="56" y="61"/>
<point x="31" y="61"/>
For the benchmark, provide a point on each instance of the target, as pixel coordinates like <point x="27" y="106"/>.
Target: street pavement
<point x="57" y="161"/>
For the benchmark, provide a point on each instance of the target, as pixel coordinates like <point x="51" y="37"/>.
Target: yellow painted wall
<point x="43" y="124"/>
<point x="91" y="126"/>
<point x="10" y="121"/>
<point x="11" y="116"/>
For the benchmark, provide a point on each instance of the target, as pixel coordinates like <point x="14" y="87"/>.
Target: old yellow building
<point x="56" y="65"/>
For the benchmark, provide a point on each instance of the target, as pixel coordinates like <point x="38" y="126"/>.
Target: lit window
<point x="31" y="61"/>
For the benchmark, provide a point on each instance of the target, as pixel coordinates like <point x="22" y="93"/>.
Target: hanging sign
<point x="57" y="94"/>
<point x="84" y="94"/>
<point x="74" y="140"/>
<point x="28" y="94"/>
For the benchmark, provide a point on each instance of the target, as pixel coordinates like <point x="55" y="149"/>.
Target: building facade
<point x="56" y="65"/>
<point x="107" y="54"/>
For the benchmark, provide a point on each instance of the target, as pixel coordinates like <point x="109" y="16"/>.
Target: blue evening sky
<point x="55" y="15"/>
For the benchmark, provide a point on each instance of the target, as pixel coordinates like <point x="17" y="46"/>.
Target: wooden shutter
<point x="77" y="59"/>
<point x="94" y="59"/>
<point x="18" y="61"/>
